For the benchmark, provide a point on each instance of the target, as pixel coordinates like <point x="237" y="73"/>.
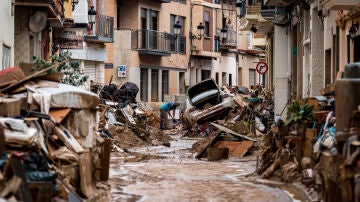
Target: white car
<point x="205" y="103"/>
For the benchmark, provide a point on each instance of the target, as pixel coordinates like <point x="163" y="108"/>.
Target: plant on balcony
<point x="70" y="71"/>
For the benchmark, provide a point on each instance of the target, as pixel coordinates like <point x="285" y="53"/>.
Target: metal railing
<point x="151" y="40"/>
<point x="104" y="26"/>
<point x="178" y="44"/>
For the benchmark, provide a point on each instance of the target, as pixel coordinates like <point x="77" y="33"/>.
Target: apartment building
<point x="36" y="22"/>
<point x="86" y="39"/>
<point x="6" y="35"/>
<point x="166" y="46"/>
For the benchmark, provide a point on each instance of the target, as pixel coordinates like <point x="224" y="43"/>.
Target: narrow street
<point x="172" y="174"/>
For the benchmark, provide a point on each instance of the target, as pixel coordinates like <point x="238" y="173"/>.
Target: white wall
<point x="281" y="70"/>
<point x="228" y="65"/>
<point x="7" y="30"/>
<point x="80" y="14"/>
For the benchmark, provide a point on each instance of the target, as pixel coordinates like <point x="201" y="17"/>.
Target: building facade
<point x="6" y="35"/>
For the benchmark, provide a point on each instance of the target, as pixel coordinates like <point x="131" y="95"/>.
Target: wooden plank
<point x="68" y="139"/>
<point x="211" y="142"/>
<point x="236" y="149"/>
<point x="32" y="76"/>
<point x="59" y="114"/>
<point x="222" y="128"/>
<point x="86" y="181"/>
<point x="11" y="187"/>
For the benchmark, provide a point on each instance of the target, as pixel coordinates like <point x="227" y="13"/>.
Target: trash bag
<point x="126" y="94"/>
<point x="36" y="162"/>
<point x="108" y="91"/>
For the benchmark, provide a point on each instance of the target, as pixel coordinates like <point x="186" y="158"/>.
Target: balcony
<point x="54" y="9"/>
<point x="339" y="4"/>
<point x="103" y="30"/>
<point x="231" y="41"/>
<point x="151" y="42"/>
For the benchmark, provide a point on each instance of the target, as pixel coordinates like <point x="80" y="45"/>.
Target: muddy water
<point x="177" y="176"/>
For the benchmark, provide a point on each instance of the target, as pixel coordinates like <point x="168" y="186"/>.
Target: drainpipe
<point x="191" y="42"/>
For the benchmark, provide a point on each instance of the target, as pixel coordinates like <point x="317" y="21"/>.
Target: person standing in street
<point x="165" y="111"/>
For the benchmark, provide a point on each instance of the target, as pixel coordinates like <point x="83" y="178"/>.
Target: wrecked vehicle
<point x="206" y="102"/>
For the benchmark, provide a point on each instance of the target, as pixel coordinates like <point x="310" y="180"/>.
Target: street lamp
<point x="74" y="3"/>
<point x="223" y="34"/>
<point x="177" y="28"/>
<point x="200" y="29"/>
<point x="253" y="29"/>
<point x="353" y="31"/>
<point x="91" y="17"/>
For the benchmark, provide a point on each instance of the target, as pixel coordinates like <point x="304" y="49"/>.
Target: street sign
<point x="121" y="71"/>
<point x="262" y="67"/>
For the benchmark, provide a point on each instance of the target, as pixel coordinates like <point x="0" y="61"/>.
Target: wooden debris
<point x="86" y="180"/>
<point x="31" y="76"/>
<point x="68" y="139"/>
<point x="11" y="187"/>
<point x="236" y="149"/>
<point x="59" y="114"/>
<point x="222" y="128"/>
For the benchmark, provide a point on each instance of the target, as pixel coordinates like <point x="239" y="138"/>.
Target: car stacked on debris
<point x="206" y="102"/>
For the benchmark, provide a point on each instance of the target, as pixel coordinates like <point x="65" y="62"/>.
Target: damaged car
<point x="206" y="102"/>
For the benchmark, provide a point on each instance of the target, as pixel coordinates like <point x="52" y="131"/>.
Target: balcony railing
<point x="178" y="44"/>
<point x="102" y="31"/>
<point x="151" y="42"/>
<point x="230" y="41"/>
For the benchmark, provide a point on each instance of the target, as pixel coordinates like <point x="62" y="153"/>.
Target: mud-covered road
<point x="174" y="175"/>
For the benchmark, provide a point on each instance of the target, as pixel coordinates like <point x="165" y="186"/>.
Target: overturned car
<point x="206" y="102"/>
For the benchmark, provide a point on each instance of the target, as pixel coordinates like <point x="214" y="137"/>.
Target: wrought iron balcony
<point x="102" y="31"/>
<point x="230" y="41"/>
<point x="151" y="42"/>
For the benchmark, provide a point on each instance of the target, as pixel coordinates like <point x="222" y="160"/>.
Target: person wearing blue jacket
<point x="165" y="111"/>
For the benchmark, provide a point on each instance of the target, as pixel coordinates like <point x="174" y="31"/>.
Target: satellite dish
<point x="38" y="22"/>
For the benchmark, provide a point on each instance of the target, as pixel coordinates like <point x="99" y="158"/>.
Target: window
<point x="230" y="79"/>
<point x="217" y="78"/>
<point x="217" y="44"/>
<point x="165" y="83"/>
<point x="143" y="84"/>
<point x="178" y="44"/>
<point x="182" y="82"/>
<point x="205" y="74"/>
<point x="207" y="24"/>
<point x="252" y="77"/>
<point x="217" y="1"/>
<point x="6" y="57"/>
<point x="143" y="27"/>
<point x="154" y="85"/>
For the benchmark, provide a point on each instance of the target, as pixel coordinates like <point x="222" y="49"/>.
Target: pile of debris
<point x="49" y="141"/>
<point x="318" y="143"/>
<point x="127" y="122"/>
<point x="235" y="130"/>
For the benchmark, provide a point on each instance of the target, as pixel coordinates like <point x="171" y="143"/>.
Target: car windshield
<point x="204" y="96"/>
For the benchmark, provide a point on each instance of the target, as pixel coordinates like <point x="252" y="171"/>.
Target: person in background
<point x="165" y="111"/>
